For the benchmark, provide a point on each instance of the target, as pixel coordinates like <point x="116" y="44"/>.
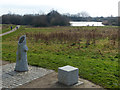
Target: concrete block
<point x="68" y="75"/>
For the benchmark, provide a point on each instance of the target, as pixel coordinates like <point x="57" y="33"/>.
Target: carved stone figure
<point x="21" y="61"/>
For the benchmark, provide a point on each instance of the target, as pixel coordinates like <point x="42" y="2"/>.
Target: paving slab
<point x="12" y="79"/>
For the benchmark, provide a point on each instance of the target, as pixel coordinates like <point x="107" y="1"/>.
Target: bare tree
<point x="84" y="14"/>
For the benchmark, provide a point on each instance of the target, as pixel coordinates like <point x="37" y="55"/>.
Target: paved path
<point x="10" y="31"/>
<point x="36" y="78"/>
<point x="51" y="81"/>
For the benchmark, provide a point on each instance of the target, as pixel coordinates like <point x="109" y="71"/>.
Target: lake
<point x="76" y="23"/>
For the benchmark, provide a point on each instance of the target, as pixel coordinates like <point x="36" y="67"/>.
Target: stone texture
<point x="68" y="75"/>
<point x="21" y="60"/>
<point x="12" y="79"/>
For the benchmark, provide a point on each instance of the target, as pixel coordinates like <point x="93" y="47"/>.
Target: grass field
<point x="6" y="27"/>
<point x="94" y="50"/>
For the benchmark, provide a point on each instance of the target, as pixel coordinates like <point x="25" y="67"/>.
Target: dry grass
<point x="75" y="36"/>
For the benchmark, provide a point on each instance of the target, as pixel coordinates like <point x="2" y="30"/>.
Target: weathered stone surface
<point x="12" y="79"/>
<point x="21" y="61"/>
<point x="68" y="75"/>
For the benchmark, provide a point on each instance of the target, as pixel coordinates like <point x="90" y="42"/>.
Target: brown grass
<point x="75" y="36"/>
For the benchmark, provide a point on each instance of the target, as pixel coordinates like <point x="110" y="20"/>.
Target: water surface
<point x="76" y="23"/>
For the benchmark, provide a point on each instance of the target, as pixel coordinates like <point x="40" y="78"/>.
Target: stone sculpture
<point x="21" y="60"/>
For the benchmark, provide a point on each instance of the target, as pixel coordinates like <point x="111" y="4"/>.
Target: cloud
<point x="93" y="7"/>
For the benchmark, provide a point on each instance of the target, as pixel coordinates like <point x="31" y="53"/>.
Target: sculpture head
<point x="22" y="40"/>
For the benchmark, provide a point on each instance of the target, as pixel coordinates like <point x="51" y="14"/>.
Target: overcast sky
<point x="93" y="7"/>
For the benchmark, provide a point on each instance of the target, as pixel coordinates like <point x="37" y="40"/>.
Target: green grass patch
<point x="6" y="27"/>
<point x="97" y="62"/>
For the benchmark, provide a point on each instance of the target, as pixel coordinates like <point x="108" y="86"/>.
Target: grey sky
<point x="93" y="7"/>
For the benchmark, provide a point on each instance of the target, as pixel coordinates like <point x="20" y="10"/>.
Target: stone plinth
<point x="68" y="75"/>
<point x="13" y="79"/>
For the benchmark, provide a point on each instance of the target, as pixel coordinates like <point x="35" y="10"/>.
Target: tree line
<point x="53" y="18"/>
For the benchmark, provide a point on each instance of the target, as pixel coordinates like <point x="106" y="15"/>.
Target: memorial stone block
<point x="68" y="75"/>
